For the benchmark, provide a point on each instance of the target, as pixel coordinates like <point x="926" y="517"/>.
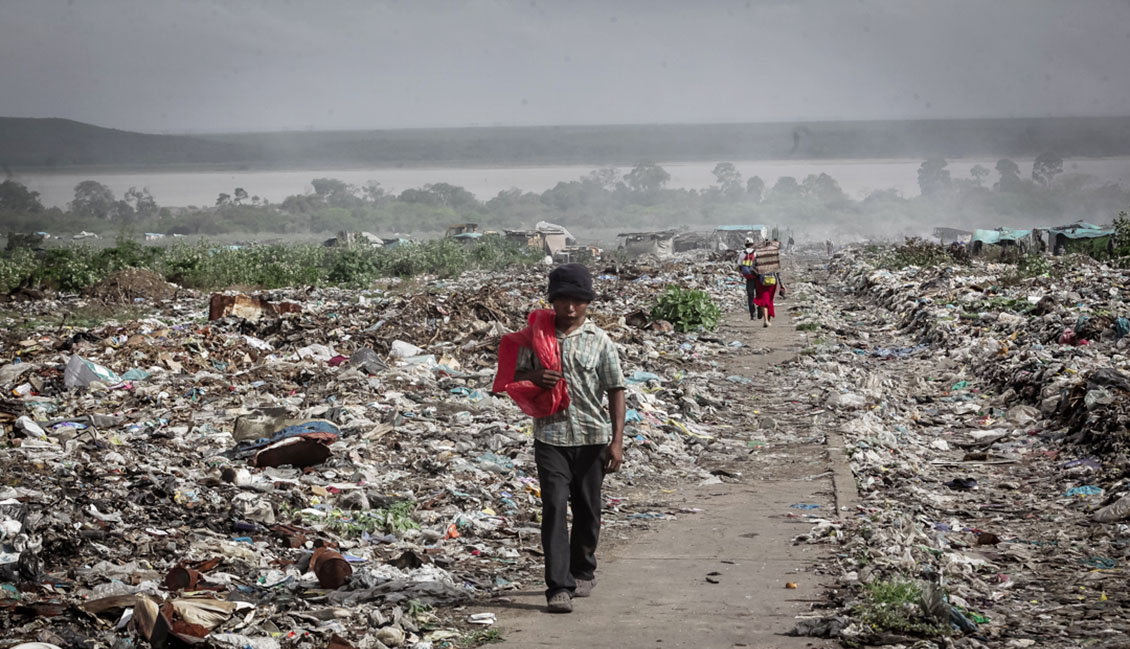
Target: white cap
<point x="749" y="240"/>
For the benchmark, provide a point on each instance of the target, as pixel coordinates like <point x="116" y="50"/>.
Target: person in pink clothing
<point x="761" y="284"/>
<point x="765" y="288"/>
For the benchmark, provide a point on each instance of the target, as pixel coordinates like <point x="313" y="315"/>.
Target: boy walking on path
<point x="574" y="447"/>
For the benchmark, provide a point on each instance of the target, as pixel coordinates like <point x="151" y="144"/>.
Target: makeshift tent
<point x="549" y="241"/>
<point x="660" y="244"/>
<point x="352" y="238"/>
<point x="553" y="242"/>
<point x="1002" y="240"/>
<point x="468" y="237"/>
<point x="691" y="240"/>
<point x="461" y="228"/>
<point x="547" y="228"/>
<point x="732" y="237"/>
<point x="1081" y="237"/>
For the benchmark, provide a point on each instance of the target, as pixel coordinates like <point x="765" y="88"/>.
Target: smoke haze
<point x="164" y="66"/>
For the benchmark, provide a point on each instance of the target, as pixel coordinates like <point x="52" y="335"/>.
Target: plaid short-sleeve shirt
<point x="591" y="367"/>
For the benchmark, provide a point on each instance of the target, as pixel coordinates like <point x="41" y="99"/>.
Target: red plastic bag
<point x="541" y="336"/>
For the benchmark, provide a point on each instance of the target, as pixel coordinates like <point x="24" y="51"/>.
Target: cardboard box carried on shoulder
<point x="768" y="260"/>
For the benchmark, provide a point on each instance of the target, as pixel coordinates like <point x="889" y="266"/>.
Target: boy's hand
<point x="545" y="379"/>
<point x="613" y="457"/>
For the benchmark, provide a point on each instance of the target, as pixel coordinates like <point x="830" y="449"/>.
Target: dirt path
<point x="715" y="578"/>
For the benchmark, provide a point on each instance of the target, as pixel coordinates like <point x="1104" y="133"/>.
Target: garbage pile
<point x="984" y="411"/>
<point x="313" y="468"/>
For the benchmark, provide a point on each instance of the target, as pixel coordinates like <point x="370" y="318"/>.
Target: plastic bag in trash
<point x="80" y="373"/>
<point x="1116" y="511"/>
<point x="316" y="352"/>
<point x="401" y="349"/>
<point x="366" y="359"/>
<point x="845" y="401"/>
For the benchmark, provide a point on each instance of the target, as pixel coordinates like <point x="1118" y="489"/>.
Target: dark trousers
<point x="750" y="293"/>
<point x="569" y="475"/>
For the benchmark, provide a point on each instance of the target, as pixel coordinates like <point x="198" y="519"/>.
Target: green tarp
<point x="1089" y="232"/>
<point x="1000" y="235"/>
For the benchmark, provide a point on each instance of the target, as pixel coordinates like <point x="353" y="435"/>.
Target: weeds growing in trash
<point x="416" y="608"/>
<point x="85" y="316"/>
<point x="424" y="615"/>
<point x="895" y="605"/>
<point x="1028" y="266"/>
<point x="352" y="526"/>
<point x="397" y="517"/>
<point x="818" y="346"/>
<point x="913" y="252"/>
<point x="480" y="637"/>
<point x="808" y="326"/>
<point x="687" y="309"/>
<point x="1034" y="265"/>
<point x="1000" y="303"/>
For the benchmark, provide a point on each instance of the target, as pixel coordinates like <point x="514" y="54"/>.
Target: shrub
<point x="496" y="253"/>
<point x="72" y="269"/>
<point x="206" y="266"/>
<point x="1033" y="265"/>
<point x="687" y="309"/>
<point x="443" y="257"/>
<point x="128" y="253"/>
<point x="914" y="252"/>
<point x="896" y="605"/>
<point x="15" y="267"/>
<point x="1121" y="227"/>
<point x="357" y="266"/>
<point x="187" y="265"/>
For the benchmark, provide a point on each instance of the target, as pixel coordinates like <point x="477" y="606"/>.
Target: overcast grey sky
<point x="218" y="65"/>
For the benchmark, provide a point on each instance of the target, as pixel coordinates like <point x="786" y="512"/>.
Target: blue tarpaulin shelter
<point x="1001" y="235"/>
<point x="1081" y="237"/>
<point x="1081" y="230"/>
<point x="1004" y="239"/>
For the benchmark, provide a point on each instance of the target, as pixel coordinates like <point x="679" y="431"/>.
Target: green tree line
<point x="207" y="266"/>
<point x="638" y="199"/>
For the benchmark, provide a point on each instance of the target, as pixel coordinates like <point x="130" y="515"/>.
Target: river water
<point x="182" y="188"/>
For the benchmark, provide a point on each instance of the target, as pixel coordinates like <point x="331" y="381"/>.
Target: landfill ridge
<point x="326" y="467"/>
<point x="984" y="409"/>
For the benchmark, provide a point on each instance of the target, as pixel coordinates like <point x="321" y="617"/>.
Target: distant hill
<point x="57" y="143"/>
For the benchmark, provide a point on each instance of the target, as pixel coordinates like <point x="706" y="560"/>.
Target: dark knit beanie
<point x="571" y="280"/>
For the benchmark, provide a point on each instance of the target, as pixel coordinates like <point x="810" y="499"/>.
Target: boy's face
<point x="569" y="310"/>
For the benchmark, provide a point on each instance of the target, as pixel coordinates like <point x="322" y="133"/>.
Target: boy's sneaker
<point x="584" y="587"/>
<point x="560" y="603"/>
